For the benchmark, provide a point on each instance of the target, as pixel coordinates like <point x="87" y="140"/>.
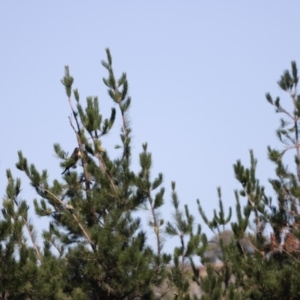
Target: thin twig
<point x="282" y="110"/>
<point x="248" y="241"/>
<point x="104" y="168"/>
<point x="74" y="216"/>
<point x="258" y="223"/>
<point x="87" y="182"/>
<point x="155" y="223"/>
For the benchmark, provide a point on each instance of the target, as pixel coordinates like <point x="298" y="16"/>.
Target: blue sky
<point x="198" y="73"/>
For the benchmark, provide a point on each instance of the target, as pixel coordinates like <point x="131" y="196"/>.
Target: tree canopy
<point x="95" y="246"/>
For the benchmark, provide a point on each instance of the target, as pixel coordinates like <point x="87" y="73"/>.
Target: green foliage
<point x="95" y="246"/>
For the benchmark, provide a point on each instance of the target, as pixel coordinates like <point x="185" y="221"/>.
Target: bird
<point x="71" y="162"/>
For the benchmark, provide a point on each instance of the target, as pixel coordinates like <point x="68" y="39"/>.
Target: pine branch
<point x="125" y="130"/>
<point x="14" y="195"/>
<point x="67" y="81"/>
<point x="73" y="215"/>
<point x="104" y="169"/>
<point x="87" y="181"/>
<point x="296" y="119"/>
<point x="251" y="244"/>
<point x="156" y="224"/>
<point x="32" y="238"/>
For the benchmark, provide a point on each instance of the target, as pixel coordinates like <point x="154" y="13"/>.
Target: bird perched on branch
<point x="71" y="162"/>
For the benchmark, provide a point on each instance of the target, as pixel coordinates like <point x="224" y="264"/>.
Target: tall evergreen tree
<point x="95" y="247"/>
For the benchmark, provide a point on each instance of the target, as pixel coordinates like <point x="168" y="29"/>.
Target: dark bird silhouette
<point x="71" y="162"/>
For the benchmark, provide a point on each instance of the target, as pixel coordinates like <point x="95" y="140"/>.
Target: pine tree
<point x="261" y="260"/>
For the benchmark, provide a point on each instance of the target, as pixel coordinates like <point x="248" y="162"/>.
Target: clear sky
<point x="198" y="73"/>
